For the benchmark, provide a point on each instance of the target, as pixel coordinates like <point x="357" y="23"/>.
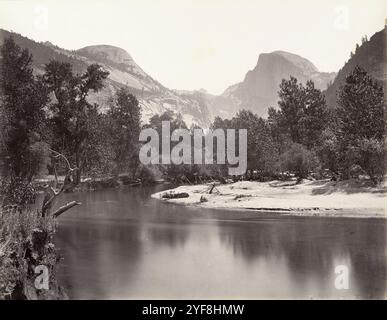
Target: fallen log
<point x="64" y="208"/>
<point x="175" y="195"/>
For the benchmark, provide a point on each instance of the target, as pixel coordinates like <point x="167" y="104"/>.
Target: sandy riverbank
<point x="309" y="198"/>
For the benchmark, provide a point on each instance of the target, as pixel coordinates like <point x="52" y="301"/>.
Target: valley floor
<point x="350" y="198"/>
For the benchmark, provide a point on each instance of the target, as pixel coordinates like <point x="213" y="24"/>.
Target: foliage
<point x="328" y="150"/>
<point x="360" y="107"/>
<point x="22" y="111"/>
<point x="17" y="191"/>
<point x="125" y="119"/>
<point x="300" y="160"/>
<point x="302" y="114"/>
<point x="71" y="110"/>
<point x="370" y="157"/>
<point x="361" y="124"/>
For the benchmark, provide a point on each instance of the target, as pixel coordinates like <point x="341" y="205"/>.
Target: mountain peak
<point x="297" y="60"/>
<point x="107" y="52"/>
<point x="48" y="44"/>
<point x="259" y="89"/>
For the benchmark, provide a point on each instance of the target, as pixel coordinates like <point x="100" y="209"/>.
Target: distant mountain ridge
<point x="257" y="92"/>
<point x="154" y="98"/>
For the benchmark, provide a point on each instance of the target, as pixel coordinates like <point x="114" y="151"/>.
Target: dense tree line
<point x="306" y="137"/>
<point x="49" y="113"/>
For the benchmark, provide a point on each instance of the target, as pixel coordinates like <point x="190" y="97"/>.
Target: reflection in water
<point x="122" y="244"/>
<point x="311" y="248"/>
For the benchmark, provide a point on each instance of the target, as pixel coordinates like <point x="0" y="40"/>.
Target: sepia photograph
<point x="181" y="150"/>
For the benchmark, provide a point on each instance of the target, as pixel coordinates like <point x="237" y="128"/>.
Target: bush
<point x="17" y="191"/>
<point x="328" y="150"/>
<point x="371" y="158"/>
<point x="299" y="160"/>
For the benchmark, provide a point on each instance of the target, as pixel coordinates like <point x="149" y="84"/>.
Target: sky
<point x="196" y="44"/>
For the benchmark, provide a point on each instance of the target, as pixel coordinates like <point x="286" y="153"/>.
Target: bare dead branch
<point x="56" y="176"/>
<point x="60" y="155"/>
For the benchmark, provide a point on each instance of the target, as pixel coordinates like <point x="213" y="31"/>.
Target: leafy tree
<point x="262" y="149"/>
<point x="25" y="236"/>
<point x="71" y="110"/>
<point x="99" y="146"/>
<point x="23" y="98"/>
<point x="125" y="126"/>
<point x="220" y="123"/>
<point x="176" y="122"/>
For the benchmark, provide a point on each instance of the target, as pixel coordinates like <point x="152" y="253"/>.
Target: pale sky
<point x="208" y="44"/>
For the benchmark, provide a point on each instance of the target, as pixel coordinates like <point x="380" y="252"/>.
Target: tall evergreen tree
<point x="292" y="105"/>
<point x="315" y="116"/>
<point x="360" y="107"/>
<point x="361" y="124"/>
<point x="303" y="114"/>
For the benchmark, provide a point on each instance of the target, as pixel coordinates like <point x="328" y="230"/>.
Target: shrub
<point x="371" y="158"/>
<point x="299" y="160"/>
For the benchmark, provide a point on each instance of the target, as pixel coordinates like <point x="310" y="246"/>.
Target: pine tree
<point x="361" y="107"/>
<point x="292" y="106"/>
<point x="303" y="114"/>
<point x="315" y="116"/>
<point x="361" y="123"/>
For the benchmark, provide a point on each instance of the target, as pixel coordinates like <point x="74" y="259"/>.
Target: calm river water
<point x="121" y="244"/>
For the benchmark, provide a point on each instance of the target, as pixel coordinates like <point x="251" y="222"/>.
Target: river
<point x="121" y="244"/>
